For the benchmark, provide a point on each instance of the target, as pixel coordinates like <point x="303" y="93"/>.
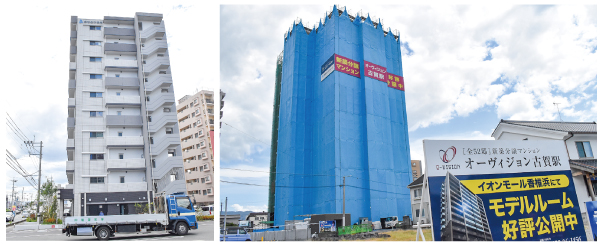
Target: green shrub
<point x="205" y="217"/>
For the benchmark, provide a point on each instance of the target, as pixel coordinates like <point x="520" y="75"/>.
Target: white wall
<point x="124" y="92"/>
<point x="124" y="111"/>
<point x="572" y="147"/>
<point x="122" y="74"/>
<point x="130" y="176"/>
<point x="582" y="193"/>
<point x="127" y="154"/>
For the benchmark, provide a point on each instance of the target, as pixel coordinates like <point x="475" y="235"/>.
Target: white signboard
<point x="462" y="157"/>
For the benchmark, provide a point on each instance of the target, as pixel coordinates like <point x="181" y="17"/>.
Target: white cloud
<point x="237" y="207"/>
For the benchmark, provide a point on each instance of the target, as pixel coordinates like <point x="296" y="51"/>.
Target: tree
<point x="49" y="200"/>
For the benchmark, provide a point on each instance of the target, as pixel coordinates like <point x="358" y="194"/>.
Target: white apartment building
<point x="123" y="142"/>
<point x="195" y="115"/>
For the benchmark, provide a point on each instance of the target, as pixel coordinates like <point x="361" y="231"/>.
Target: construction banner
<point x="502" y="191"/>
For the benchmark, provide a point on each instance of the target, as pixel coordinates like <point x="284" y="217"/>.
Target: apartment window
<point x="167" y="110"/>
<point x="204" y="192"/>
<point x="147" y="99"/>
<point x="204" y="155"/>
<point x="196" y="135"/>
<point x="202" y="143"/>
<point x="95" y="94"/>
<point x="584" y="149"/>
<point x="117" y="75"/>
<point x="145" y="79"/>
<point x="151" y="140"/>
<point x="171" y="153"/>
<point x="96" y="134"/>
<point x="173" y="178"/>
<point x="122" y="179"/>
<point x="200" y="132"/>
<point x="118" y="112"/>
<point x="417" y="192"/>
<point x="96" y="180"/>
<point x="144" y="62"/>
<point x="156" y="23"/>
<point x="193" y="114"/>
<point x="164" y="90"/>
<point x="118" y="94"/>
<point x="95" y="113"/>
<point x="120" y="133"/>
<point x="197" y="111"/>
<point x="199" y="122"/>
<point x="153" y="163"/>
<point x="95" y="27"/>
<point x="414" y="164"/>
<point x="95" y="76"/>
<point x="414" y="171"/>
<point x="149" y="118"/>
<point x="206" y="166"/>
<point x="95" y="59"/>
<point x="169" y="131"/>
<point x="94" y="43"/>
<point x="203" y="180"/>
<point x="120" y="156"/>
<point x="160" y="55"/>
<point x="417" y="213"/>
<point x="96" y="156"/>
<point x="162" y="72"/>
<point x="209" y="190"/>
<point x="207" y="178"/>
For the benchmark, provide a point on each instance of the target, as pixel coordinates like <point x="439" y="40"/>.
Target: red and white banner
<point x="375" y="71"/>
<point x="346" y="65"/>
<point x="395" y="81"/>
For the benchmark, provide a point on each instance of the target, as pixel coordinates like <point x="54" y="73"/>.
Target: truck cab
<point x="181" y="210"/>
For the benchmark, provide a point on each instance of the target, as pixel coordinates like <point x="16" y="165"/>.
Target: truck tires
<point x="181" y="228"/>
<point x="103" y="233"/>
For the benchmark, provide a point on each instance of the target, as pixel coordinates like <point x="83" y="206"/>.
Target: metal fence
<point x="284" y="235"/>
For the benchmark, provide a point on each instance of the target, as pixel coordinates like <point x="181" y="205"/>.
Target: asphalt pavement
<point x="205" y="232"/>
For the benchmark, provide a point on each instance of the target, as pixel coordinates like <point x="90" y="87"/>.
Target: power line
<point x="310" y="175"/>
<point x="246" y="134"/>
<point x="249" y="184"/>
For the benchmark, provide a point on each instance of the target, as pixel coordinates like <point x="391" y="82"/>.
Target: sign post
<point x="501" y="191"/>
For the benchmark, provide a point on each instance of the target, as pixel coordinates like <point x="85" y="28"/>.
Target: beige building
<point x="415" y="166"/>
<point x="195" y="115"/>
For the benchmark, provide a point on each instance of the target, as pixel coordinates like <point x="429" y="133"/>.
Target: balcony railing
<point x="124" y="141"/>
<point x="70" y="143"/>
<point x="120" y="64"/>
<point x="126" y="164"/>
<point x="122" y="187"/>
<point x="70" y="165"/>
<point x="72" y="66"/>
<point x="122" y="100"/>
<point x="71" y="102"/>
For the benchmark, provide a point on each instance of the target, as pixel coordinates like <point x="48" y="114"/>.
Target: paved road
<point x="205" y="232"/>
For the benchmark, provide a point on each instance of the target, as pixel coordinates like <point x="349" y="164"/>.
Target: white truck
<point x="389" y="222"/>
<point x="175" y="216"/>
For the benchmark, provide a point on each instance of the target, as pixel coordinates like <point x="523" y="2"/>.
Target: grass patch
<point x="404" y="235"/>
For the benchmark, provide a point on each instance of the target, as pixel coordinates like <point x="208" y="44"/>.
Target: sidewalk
<point x="36" y="226"/>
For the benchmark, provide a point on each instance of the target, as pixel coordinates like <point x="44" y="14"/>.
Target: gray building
<point x="458" y="224"/>
<point x="123" y="143"/>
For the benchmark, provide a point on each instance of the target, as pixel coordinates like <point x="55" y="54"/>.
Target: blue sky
<point x="465" y="68"/>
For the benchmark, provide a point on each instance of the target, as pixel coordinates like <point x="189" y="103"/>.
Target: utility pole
<point x="39" y="177"/>
<point x="344" y="203"/>
<point x="225" y="222"/>
<point x="12" y="196"/>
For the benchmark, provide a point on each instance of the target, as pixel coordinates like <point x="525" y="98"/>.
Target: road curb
<point x="14" y="223"/>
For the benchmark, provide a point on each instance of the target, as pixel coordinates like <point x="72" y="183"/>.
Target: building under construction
<point x="335" y="117"/>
